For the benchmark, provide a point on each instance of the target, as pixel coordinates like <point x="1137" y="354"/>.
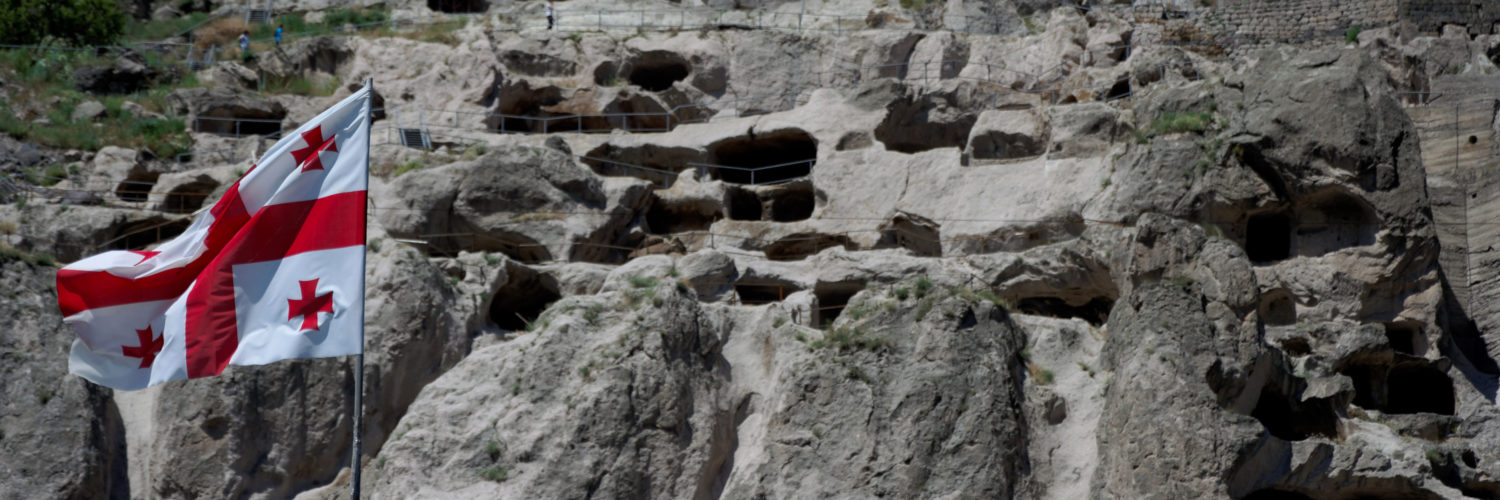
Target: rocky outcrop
<point x="60" y="437"/>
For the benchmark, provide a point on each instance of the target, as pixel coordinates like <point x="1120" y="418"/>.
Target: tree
<point x="76" y="22"/>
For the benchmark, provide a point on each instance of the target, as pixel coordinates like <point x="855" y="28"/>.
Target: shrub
<point x="1173" y="122"/>
<point x="902" y="293"/>
<point x="1352" y="34"/>
<point x="76" y="22"/>
<point x="642" y="281"/>
<point x="923" y="286"/>
<point x="496" y="474"/>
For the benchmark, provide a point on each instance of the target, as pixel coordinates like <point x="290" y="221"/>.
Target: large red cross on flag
<point x="274" y="270"/>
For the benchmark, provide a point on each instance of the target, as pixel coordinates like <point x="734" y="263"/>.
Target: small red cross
<point x="150" y="345"/>
<point x="309" y="305"/>
<point x="309" y="158"/>
<point x="145" y="255"/>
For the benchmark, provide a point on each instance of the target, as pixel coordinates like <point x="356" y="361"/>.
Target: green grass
<point x="1176" y="123"/>
<point x="410" y="166"/>
<point x="1351" y="35"/>
<point x="496" y="474"/>
<point x="642" y="282"/>
<point x="923" y="285"/>
<point x="47" y="77"/>
<point x="850" y="338"/>
<point x="152" y="30"/>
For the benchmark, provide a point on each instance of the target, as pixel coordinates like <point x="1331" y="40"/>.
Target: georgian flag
<point x="274" y="270"/>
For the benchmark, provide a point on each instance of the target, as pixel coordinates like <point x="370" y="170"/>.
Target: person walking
<point x="245" y="42"/>
<point x="549" y="14"/>
<point x="278" y="35"/>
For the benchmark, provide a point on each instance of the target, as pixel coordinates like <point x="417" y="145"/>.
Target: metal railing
<point x="786" y="172"/>
<point x="236" y="126"/>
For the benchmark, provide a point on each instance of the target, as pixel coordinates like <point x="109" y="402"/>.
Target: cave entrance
<point x="832" y="297"/>
<point x="743" y="204"/>
<point x="657" y="70"/>
<point x="676" y="216"/>
<point x="519" y="109"/>
<point x="1120" y="90"/>
<point x="1277" y="308"/>
<point x="799" y="246"/>
<point x="1268" y="237"/>
<point x="523" y="298"/>
<point x="910" y="125"/>
<point x="790" y="154"/>
<point x="658" y="164"/>
<point x="459" y="6"/>
<point x="1095" y="311"/>
<point x="1406" y="337"/>
<point x="753" y="293"/>
<point x="790" y="202"/>
<point x="189" y="197"/>
<point x="136" y="187"/>
<point x="146" y="233"/>
<point x="1332" y="222"/>
<point x="517" y="246"/>
<point x="1418" y="388"/>
<point x="1275" y="494"/>
<point x="1294" y="420"/>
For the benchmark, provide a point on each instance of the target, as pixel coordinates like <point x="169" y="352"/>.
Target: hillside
<point x="999" y="249"/>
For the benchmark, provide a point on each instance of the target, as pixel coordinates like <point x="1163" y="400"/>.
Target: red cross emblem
<point x="145" y="255"/>
<point x="150" y="346"/>
<point x="310" y="157"/>
<point x="309" y="305"/>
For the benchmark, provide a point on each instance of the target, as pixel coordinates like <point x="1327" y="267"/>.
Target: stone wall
<point x="1238" y="24"/>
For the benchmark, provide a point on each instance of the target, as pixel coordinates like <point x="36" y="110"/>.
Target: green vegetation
<point x="9" y="253"/>
<point x="46" y="77"/>
<point x="152" y="30"/>
<point x="73" y="22"/>
<point x="493" y="450"/>
<point x="410" y="166"/>
<point x="1175" y="123"/>
<point x="902" y="293"/>
<point x="642" y="282"/>
<point x="846" y="338"/>
<point x="298" y="85"/>
<point x="497" y="474"/>
<point x="923" y="286"/>
<point x="1351" y="35"/>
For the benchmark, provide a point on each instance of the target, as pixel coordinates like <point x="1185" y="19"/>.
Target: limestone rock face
<point x="522" y="200"/>
<point x="60" y="437"/>
<point x="226" y="104"/>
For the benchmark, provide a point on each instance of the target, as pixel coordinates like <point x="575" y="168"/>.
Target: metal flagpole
<point x="359" y="359"/>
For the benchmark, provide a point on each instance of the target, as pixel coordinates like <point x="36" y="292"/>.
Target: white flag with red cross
<point x="274" y="270"/>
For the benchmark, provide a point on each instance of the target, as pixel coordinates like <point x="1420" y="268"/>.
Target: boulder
<point x="711" y="273"/>
<point x="87" y="111"/>
<point x="129" y="74"/>
<point x="1084" y="129"/>
<point x="216" y="110"/>
<point x="1009" y="134"/>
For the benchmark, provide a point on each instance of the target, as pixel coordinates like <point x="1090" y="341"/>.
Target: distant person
<point x="278" y="35"/>
<point x="549" y="14"/>
<point x="245" y="41"/>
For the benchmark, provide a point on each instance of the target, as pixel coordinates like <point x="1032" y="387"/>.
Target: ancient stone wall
<point x="1239" y="24"/>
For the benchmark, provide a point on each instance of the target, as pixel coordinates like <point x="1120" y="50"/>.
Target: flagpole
<point x="359" y="359"/>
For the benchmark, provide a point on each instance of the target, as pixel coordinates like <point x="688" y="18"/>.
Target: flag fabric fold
<point x="274" y="270"/>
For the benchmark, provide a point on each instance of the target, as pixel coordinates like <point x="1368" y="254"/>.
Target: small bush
<point x="496" y="474"/>
<point x="845" y="338"/>
<point x="642" y="282"/>
<point x="1175" y="123"/>
<point x="902" y="293"/>
<point x="1351" y="35"/>
<point x="493" y="450"/>
<point x="923" y="286"/>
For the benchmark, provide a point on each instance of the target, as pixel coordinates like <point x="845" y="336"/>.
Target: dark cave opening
<point x="1095" y="311"/>
<point x="1120" y="90"/>
<point x="742" y="203"/>
<point x="519" y="107"/>
<point x="1418" y="388"/>
<point x="189" y="197"/>
<point x="523" y="298"/>
<point x="763" y="292"/>
<point x="657" y="70"/>
<point x="136" y="187"/>
<point x="798" y="246"/>
<point x="458" y="6"/>
<point x="1277" y="308"/>
<point x="667" y="217"/>
<point x="1268" y="237"/>
<point x="832" y="298"/>
<point x="238" y="126"/>
<point x="793" y="150"/>
<point x="1332" y="222"/>
<point x="1406" y="337"/>
<point x="146" y="233"/>
<point x="1294" y="420"/>
<point x="790" y="202"/>
<point x="1275" y="494"/>
<point x="909" y="126"/>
